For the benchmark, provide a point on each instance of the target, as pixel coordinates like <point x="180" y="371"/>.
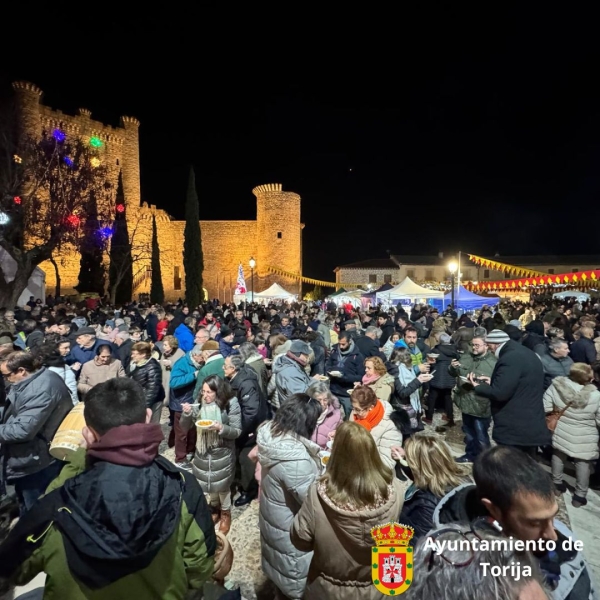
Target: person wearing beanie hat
<point x="288" y="371"/>
<point x="225" y="340"/>
<point x="516" y="391"/>
<point x="314" y="325"/>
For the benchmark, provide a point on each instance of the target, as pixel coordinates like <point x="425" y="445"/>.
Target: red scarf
<point x="372" y="418"/>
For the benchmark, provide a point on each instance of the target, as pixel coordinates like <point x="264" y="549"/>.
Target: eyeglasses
<point x="5" y="376"/>
<point x="477" y="528"/>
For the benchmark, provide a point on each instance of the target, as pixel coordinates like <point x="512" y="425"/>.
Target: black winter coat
<point x="442" y="379"/>
<point x="253" y="404"/>
<point x="367" y="346"/>
<point x="149" y="376"/>
<point x="387" y="329"/>
<point x="417" y="511"/>
<point x="516" y="393"/>
<point x="320" y="351"/>
<point x="583" y="351"/>
<point x="352" y="367"/>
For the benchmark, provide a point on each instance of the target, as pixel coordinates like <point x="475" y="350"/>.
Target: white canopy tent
<point x="408" y="290"/>
<point x="581" y="296"/>
<point x="352" y="297"/>
<point x="275" y="292"/>
<point x="36" y="286"/>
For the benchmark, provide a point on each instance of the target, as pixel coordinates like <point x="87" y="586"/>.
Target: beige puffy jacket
<point x="576" y="433"/>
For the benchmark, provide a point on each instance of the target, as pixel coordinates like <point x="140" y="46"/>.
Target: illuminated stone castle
<point x="274" y="239"/>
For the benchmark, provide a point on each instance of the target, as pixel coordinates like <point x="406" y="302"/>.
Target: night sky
<point x="417" y="134"/>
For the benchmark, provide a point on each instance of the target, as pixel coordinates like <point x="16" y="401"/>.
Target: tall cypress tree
<point x="157" y="292"/>
<point x="92" y="274"/>
<point x="193" y="260"/>
<point x="121" y="262"/>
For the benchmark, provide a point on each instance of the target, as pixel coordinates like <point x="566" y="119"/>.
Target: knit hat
<point x="445" y="338"/>
<point x="86" y="331"/>
<point x="497" y="336"/>
<point x="210" y="345"/>
<point x="515" y="323"/>
<point x="300" y="347"/>
<point x="225" y="331"/>
<point x="5" y="339"/>
<point x="314" y="325"/>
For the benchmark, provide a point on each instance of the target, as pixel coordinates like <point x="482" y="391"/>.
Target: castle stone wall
<point x="273" y="240"/>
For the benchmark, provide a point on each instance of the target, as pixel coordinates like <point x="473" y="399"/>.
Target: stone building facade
<point x="274" y="239"/>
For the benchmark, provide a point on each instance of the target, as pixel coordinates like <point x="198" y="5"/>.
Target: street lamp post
<point x="252" y="264"/>
<point x="452" y="267"/>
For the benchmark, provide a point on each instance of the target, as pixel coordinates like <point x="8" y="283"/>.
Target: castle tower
<point x="278" y="236"/>
<point x="131" y="161"/>
<point x="28" y="96"/>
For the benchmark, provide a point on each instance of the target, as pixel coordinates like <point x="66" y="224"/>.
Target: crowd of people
<point x="323" y="414"/>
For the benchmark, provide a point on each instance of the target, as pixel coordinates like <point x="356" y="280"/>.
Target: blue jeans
<point x="476" y="434"/>
<point x="31" y="487"/>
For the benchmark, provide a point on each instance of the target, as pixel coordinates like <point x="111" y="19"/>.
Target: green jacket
<point x="463" y="394"/>
<point x="113" y="532"/>
<point x="214" y="366"/>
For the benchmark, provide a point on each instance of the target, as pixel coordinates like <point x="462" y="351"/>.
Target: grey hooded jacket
<point x="35" y="408"/>
<point x="215" y="469"/>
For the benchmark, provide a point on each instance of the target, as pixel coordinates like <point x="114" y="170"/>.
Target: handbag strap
<point x="562" y="412"/>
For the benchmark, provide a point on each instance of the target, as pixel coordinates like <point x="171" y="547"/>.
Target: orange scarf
<point x="372" y="418"/>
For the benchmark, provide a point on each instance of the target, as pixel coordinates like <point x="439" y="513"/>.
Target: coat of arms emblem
<point x="392" y="568"/>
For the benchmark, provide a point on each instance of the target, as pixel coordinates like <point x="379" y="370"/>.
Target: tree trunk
<point x="113" y="294"/>
<point x="57" y="272"/>
<point x="10" y="293"/>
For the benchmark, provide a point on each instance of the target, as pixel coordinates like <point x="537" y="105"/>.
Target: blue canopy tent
<point x="465" y="299"/>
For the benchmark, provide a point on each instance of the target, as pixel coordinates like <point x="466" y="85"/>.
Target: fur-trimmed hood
<point x="571" y="392"/>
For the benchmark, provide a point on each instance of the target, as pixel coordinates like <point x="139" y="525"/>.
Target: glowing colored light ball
<point x="120" y="208"/>
<point x="106" y="232"/>
<point x="95" y="162"/>
<point x="17" y="159"/>
<point x="68" y="161"/>
<point x="73" y="220"/>
<point x="96" y="142"/>
<point x="4" y="218"/>
<point x="17" y="199"/>
<point x="59" y="135"/>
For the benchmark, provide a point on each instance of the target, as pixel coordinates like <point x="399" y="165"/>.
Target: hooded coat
<point x="341" y="541"/>
<point x="576" y="433"/>
<point x="290" y="378"/>
<point x="215" y="469"/>
<point x="289" y="465"/>
<point x="462" y="505"/>
<point x="88" y="539"/>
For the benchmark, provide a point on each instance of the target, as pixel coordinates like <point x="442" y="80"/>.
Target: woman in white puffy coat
<point x="289" y="463"/>
<point x="576" y="434"/>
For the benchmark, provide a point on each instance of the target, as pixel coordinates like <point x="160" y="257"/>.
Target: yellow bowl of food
<point x="325" y="456"/>
<point x="204" y="423"/>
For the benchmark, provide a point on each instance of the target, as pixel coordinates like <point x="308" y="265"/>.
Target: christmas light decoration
<point x="95" y="162"/>
<point x="17" y="159"/>
<point x="4" y="218"/>
<point x="59" y="135"/>
<point x="68" y="161"/>
<point x="73" y="220"/>
<point x="106" y="232"/>
<point x="120" y="208"/>
<point x="17" y="199"/>
<point x="96" y="142"/>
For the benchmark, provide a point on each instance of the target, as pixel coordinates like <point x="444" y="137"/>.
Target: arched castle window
<point x="279" y="235"/>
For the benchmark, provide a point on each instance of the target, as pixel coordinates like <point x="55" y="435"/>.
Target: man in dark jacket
<point x="345" y="366"/>
<point x="584" y="350"/>
<point x="120" y="521"/>
<point x="516" y="391"/>
<point x="150" y="325"/>
<point x="85" y="349"/>
<point x="36" y="403"/>
<point x="387" y="328"/>
<point x="555" y="360"/>
<point x="253" y="404"/>
<point x="368" y="344"/>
